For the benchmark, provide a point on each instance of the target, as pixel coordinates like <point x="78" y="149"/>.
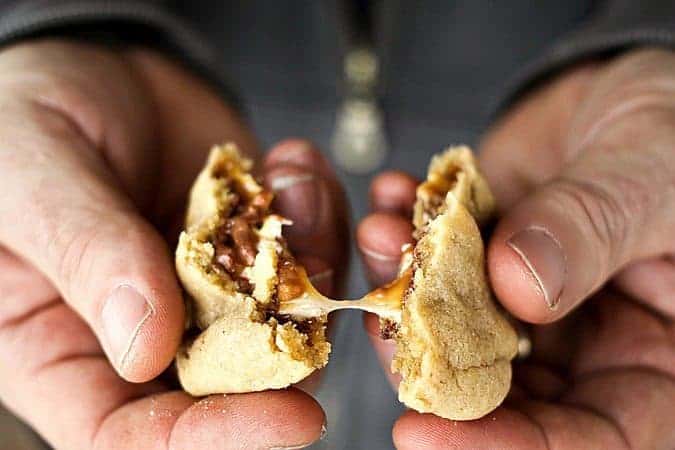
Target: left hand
<point x="584" y="173"/>
<point x="98" y="148"/>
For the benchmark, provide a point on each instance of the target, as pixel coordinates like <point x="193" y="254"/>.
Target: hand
<point x="97" y="151"/>
<point x="584" y="173"/>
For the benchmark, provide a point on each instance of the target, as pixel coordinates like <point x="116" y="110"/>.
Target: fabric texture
<point x="613" y="27"/>
<point x="147" y="22"/>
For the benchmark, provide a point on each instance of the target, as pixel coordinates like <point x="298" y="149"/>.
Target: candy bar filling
<point x="250" y="249"/>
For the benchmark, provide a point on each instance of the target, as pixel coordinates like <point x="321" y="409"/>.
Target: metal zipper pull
<point x="359" y="139"/>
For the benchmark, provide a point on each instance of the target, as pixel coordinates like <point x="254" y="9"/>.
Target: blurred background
<point x="432" y="75"/>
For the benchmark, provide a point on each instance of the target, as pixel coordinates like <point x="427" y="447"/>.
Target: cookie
<point x="234" y="264"/>
<point x="454" y="346"/>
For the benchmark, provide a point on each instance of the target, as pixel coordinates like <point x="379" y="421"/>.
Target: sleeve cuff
<point x="118" y="22"/>
<point x="575" y="48"/>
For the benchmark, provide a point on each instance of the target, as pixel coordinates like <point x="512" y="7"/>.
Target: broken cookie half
<point x="454" y="347"/>
<point x="236" y="268"/>
<point x="257" y="323"/>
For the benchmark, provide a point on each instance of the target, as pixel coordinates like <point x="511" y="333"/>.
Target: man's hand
<point x="584" y="173"/>
<point x="97" y="151"/>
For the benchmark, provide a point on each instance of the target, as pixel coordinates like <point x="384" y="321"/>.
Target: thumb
<point x="61" y="211"/>
<point x="612" y="205"/>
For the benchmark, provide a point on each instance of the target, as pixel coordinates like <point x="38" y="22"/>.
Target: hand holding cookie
<point x="256" y="322"/>
<point x="99" y="149"/>
<point x="582" y="170"/>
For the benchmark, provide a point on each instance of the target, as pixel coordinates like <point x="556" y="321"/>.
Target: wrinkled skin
<point x="589" y="157"/>
<point x="97" y="151"/>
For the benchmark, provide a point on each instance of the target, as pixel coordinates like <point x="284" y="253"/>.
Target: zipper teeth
<point x="15" y="24"/>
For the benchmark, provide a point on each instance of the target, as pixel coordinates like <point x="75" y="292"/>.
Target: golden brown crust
<point x="453" y="347"/>
<point x="239" y="346"/>
<point x="455" y="170"/>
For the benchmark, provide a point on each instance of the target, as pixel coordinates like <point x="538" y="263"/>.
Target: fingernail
<point x="122" y="316"/>
<point x="381" y="257"/>
<point x="298" y="196"/>
<point x="281" y="183"/>
<point x="542" y="255"/>
<point x="298" y="152"/>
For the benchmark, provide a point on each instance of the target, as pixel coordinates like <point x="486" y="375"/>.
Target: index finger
<point x="381" y="234"/>
<point x="308" y="193"/>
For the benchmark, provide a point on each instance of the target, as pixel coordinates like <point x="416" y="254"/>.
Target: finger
<point x="69" y="221"/>
<point x="60" y="369"/>
<point x="393" y="192"/>
<point x="634" y="403"/>
<point x="300" y="153"/>
<point x="532" y="425"/>
<point x="652" y="282"/>
<point x="624" y="369"/>
<point x="307" y="192"/>
<point x="564" y="241"/>
<point x="617" y="332"/>
<point x="612" y="410"/>
<point x="287" y="419"/>
<point x="46" y="368"/>
<point x="380" y="237"/>
<point x="22" y="287"/>
<point x="259" y="420"/>
<point x="503" y="428"/>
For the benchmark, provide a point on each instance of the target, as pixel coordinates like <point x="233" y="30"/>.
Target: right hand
<point x="98" y="149"/>
<point x="583" y="171"/>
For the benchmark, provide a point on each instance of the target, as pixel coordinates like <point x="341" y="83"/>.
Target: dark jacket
<point x="446" y="67"/>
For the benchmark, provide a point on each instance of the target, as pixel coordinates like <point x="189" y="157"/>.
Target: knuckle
<point x="42" y="125"/>
<point x="639" y="82"/>
<point x="50" y="103"/>
<point x="102" y="247"/>
<point x="73" y="252"/>
<point x="607" y="212"/>
<point x="67" y="112"/>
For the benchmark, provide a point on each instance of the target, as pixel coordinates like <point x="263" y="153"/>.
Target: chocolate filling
<point x="290" y="284"/>
<point x="388" y="329"/>
<point x="236" y="242"/>
<point x="236" y="246"/>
